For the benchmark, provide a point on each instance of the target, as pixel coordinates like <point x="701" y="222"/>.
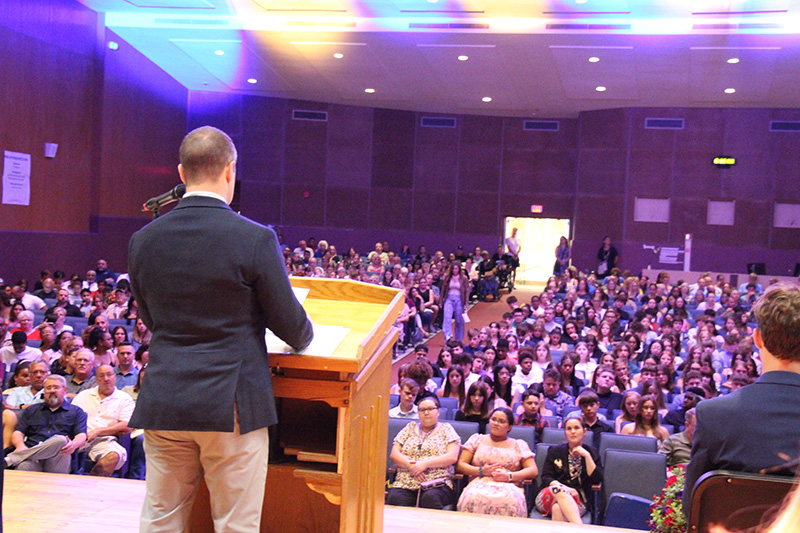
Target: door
<point x="538" y="238"/>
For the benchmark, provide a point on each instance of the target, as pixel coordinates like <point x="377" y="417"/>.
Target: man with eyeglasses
<point x="47" y="433"/>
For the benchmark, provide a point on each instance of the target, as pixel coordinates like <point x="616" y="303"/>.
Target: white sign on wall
<point x="16" y="178"/>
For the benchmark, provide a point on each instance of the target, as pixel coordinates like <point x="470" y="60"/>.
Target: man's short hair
<point x="778" y="315"/>
<point x="19" y="337"/>
<point x="204" y="153"/>
<point x="41" y="362"/>
<point x="552" y="373"/>
<point x="57" y="377"/>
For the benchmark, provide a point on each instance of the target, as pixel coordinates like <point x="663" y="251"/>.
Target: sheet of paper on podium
<point x="326" y="340"/>
<point x="300" y="294"/>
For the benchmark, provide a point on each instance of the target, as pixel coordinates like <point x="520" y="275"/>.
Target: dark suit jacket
<point x="745" y="430"/>
<point x="208" y="281"/>
<point x="551" y="471"/>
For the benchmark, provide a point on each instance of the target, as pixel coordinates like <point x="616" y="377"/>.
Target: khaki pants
<point x="233" y="465"/>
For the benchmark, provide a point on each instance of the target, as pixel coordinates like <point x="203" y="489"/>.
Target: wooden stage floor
<point x="82" y="504"/>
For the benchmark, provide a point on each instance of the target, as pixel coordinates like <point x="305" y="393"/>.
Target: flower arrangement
<point x="666" y="511"/>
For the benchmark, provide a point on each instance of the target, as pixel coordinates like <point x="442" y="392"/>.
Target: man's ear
<point x="180" y="173"/>
<point x="759" y="342"/>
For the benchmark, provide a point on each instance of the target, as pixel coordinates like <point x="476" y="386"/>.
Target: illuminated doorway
<point x="538" y="238"/>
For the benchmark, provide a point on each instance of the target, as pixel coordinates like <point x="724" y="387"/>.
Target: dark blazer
<point x="552" y="471"/>
<point x="208" y="281"/>
<point x="747" y="429"/>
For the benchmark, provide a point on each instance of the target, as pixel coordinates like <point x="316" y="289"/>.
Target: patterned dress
<point x="416" y="445"/>
<point x="485" y="496"/>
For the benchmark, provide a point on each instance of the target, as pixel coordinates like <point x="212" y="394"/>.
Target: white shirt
<point x="525" y="381"/>
<point x="513" y="245"/>
<point x="104" y="412"/>
<point x="32" y="302"/>
<point x="207" y="194"/>
<point x="9" y="356"/>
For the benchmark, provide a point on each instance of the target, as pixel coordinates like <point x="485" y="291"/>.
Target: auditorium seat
<point x="626" y="472"/>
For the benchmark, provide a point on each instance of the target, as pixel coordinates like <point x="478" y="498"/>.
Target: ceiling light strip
<point x="581" y="47"/>
<point x="734" y="48"/>
<point x="325" y="43"/>
<point x="456" y="46"/>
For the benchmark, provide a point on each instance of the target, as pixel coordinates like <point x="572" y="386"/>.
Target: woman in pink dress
<point x="497" y="465"/>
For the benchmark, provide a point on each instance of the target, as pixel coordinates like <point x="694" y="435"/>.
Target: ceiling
<point x="531" y="57"/>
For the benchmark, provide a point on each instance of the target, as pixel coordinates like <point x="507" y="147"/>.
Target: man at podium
<point x="208" y="282"/>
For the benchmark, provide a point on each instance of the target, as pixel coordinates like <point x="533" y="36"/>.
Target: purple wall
<point x="117" y="118"/>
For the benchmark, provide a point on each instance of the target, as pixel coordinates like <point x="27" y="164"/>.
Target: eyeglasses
<point x="428" y="410"/>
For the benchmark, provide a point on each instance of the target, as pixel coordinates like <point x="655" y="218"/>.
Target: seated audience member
<point x="28" y="301"/>
<point x="453" y="385"/>
<point x="555" y="399"/>
<point x="101" y="342"/>
<point x="569" y="472"/>
<point x="83" y="377"/>
<point x="424" y="454"/>
<point x="20" y="378"/>
<point x="420" y="371"/>
<point x="143" y="356"/>
<point x="25" y="319"/>
<point x="533" y="414"/>
<point x="137" y="468"/>
<point x="62" y="302"/>
<point x="496" y="464"/>
<point x="527" y="373"/>
<point x="630" y="407"/>
<point x="768" y="409"/>
<point x="47" y="433"/>
<point x="127" y="373"/>
<point x="19" y="351"/>
<point x="678" y="447"/>
<point x="588" y="402"/>
<point x="570" y="383"/>
<point x="691" y="398"/>
<point x="504" y="393"/>
<point x="646" y="422"/>
<point x="476" y="405"/>
<point x="605" y="379"/>
<point x="692" y="378"/>
<point x="108" y="411"/>
<point x="408" y="393"/>
<point x="22" y="397"/>
<point x="48" y="290"/>
<point x="119" y="308"/>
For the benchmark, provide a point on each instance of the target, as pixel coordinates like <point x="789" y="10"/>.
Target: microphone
<point x="156" y="202"/>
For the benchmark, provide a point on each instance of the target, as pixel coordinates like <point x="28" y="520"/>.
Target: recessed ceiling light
<point x="730" y="90"/>
<point x="594" y="59"/>
<point x="600" y="89"/>
<point x="338" y="55"/>
<point x="369" y="90"/>
<point x="463" y="58"/>
<point x="252" y="80"/>
<point x="487" y="99"/>
<point x="219" y="52"/>
<point x="733" y="60"/>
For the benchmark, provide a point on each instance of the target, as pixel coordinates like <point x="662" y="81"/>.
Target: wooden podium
<point x="333" y="417"/>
